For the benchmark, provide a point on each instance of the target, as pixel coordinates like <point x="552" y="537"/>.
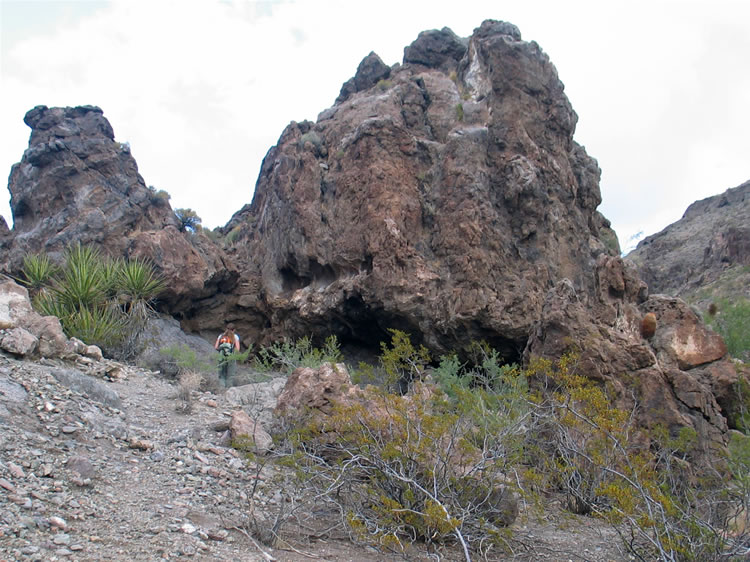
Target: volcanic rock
<point x="369" y="72"/>
<point x="76" y="184"/>
<point x="318" y="390"/>
<point x="444" y="202"/>
<point x="436" y="49"/>
<point x="243" y="427"/>
<point x="676" y="379"/>
<point x="708" y="248"/>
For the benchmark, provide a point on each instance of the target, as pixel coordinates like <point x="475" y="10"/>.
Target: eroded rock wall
<point x="444" y="198"/>
<point x="76" y="184"/>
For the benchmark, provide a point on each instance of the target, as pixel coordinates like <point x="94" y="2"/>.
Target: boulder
<point x="316" y="390"/>
<point x="26" y="331"/>
<point x="436" y="49"/>
<point x="18" y="341"/>
<point x="258" y="399"/>
<point x="369" y="72"/>
<point x="246" y="431"/>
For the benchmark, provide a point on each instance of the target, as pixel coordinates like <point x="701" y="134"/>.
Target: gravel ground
<point x="100" y="461"/>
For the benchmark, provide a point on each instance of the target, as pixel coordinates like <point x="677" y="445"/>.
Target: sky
<point x="201" y="89"/>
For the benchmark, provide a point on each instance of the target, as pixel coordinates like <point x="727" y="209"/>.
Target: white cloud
<point x="203" y="89"/>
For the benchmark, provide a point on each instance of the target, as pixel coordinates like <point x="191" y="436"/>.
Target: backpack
<point x="226" y="346"/>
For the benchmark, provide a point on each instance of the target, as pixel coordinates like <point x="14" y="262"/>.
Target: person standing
<point x="226" y="344"/>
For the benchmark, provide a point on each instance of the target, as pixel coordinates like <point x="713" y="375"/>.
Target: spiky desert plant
<point x="139" y="282"/>
<point x="81" y="284"/>
<point x="38" y="271"/>
<point x="103" y="326"/>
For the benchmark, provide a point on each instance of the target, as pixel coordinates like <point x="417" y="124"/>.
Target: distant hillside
<point x="705" y="255"/>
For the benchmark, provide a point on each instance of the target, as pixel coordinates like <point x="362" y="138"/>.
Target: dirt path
<point x="92" y="469"/>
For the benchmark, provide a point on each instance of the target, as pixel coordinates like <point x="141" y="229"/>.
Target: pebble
<point x="61" y="538"/>
<point x="16" y="471"/>
<point x="7" y="485"/>
<point x="58" y="522"/>
<point x="218" y="535"/>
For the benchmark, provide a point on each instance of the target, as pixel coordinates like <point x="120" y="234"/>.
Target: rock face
<point x="76" y="184"/>
<point x="445" y="197"/>
<point x="451" y="201"/>
<point x="445" y="201"/>
<point x="709" y="248"/>
<point x="679" y="377"/>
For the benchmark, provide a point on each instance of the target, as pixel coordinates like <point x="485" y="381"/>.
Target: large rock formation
<point x="449" y="199"/>
<point x="708" y="249"/>
<point x="444" y="196"/>
<point x="76" y="184"/>
<point x="444" y="200"/>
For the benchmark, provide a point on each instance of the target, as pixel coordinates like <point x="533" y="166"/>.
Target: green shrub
<point x="732" y="321"/>
<point x="413" y="468"/>
<point x="443" y="464"/>
<point x="402" y="362"/>
<point x="384" y="84"/>
<point x="188" y="219"/>
<point x="101" y="301"/>
<point x="286" y="356"/>
<point x="233" y="235"/>
<point x="460" y="111"/>
<point x="184" y="359"/>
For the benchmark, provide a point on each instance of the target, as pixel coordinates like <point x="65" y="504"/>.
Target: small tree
<point x="189" y="220"/>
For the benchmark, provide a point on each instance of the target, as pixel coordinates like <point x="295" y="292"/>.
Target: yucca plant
<point x="101" y="301"/>
<point x="47" y="304"/>
<point x="103" y="326"/>
<point x="111" y="271"/>
<point x="81" y="284"/>
<point x="138" y="281"/>
<point x="38" y="271"/>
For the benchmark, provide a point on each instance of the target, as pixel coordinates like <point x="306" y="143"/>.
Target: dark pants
<point x="226" y="371"/>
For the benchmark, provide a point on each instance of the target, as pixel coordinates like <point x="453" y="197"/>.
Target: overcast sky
<point x="202" y="89"/>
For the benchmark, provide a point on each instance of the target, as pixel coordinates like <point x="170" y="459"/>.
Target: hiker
<point x="227" y="343"/>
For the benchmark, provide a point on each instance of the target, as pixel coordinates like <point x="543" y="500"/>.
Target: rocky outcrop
<point x="708" y="248"/>
<point x="76" y="184"/>
<point x="444" y="201"/>
<point x="444" y="196"/>
<point x="679" y="377"/>
<point x="451" y="201"/>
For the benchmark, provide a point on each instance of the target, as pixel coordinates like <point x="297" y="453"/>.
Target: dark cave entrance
<point x="361" y="329"/>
